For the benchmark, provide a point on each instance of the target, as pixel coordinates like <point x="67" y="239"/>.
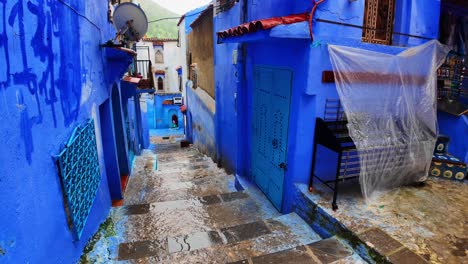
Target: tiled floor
<point x="189" y="211"/>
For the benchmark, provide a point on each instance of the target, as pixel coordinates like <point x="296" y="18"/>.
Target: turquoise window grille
<point x="78" y="166"/>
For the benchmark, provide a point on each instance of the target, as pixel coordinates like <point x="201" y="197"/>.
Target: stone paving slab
<point x="194" y="241"/>
<point x="298" y="255"/>
<point x="199" y="217"/>
<point x="171" y="161"/>
<point x="236" y="242"/>
<point x="189" y="175"/>
<point x="280" y="238"/>
<point x="141" y="249"/>
<point x="380" y="240"/>
<point x="147" y="185"/>
<point x="406" y="256"/>
<point x="330" y="250"/>
<point x="178" y="156"/>
<point x="137" y="209"/>
<point x="245" y="231"/>
<point x="182" y="217"/>
<point x="429" y="220"/>
<point x="186" y="167"/>
<point x="152" y="192"/>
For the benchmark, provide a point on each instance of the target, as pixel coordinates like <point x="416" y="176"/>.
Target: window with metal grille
<point x="159" y="57"/>
<point x="180" y="83"/>
<point x="160" y="84"/>
<point x="194" y="75"/>
<point x="80" y="175"/>
<point x="195" y="78"/>
<point x="379" y="16"/>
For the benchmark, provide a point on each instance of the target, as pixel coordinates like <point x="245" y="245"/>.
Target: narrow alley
<point x="190" y="211"/>
<point x="234" y="131"/>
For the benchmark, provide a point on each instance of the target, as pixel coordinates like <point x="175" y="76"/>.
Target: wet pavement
<point x="429" y="220"/>
<point x="180" y="207"/>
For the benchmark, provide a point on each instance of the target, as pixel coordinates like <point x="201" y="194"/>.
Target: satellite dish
<point x="130" y="21"/>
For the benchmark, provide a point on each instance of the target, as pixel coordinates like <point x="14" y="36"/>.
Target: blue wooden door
<point x="270" y="122"/>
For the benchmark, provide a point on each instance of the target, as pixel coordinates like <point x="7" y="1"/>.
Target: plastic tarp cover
<point x="390" y="105"/>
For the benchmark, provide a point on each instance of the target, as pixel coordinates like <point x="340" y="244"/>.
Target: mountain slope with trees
<point x="160" y="29"/>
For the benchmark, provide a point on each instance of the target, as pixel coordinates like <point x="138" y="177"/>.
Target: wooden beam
<point x="374" y="78"/>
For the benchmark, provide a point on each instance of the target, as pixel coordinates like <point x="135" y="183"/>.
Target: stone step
<point x="175" y="218"/>
<point x="188" y="153"/>
<point x="173" y="187"/>
<point x="224" y="245"/>
<point x="173" y="148"/>
<point x="182" y="167"/>
<point x="169" y="159"/>
<point x="187" y="175"/>
<point x="329" y="250"/>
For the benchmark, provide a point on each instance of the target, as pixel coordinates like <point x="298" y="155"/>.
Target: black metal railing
<point x="143" y="69"/>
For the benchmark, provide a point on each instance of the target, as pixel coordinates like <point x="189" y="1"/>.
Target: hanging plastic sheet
<point x="390" y="105"/>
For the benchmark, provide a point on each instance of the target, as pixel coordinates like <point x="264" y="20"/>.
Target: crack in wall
<point x="337" y="14"/>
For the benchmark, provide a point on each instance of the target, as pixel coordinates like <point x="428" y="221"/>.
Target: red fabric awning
<point x="263" y="24"/>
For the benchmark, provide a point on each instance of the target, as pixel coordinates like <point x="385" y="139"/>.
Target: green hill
<point x="160" y="29"/>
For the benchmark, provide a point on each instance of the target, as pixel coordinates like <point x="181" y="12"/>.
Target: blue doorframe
<point x="270" y="123"/>
<point x="110" y="150"/>
<point x="119" y="132"/>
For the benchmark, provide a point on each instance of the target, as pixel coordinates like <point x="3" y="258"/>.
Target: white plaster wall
<point x="174" y="56"/>
<point x="182" y="53"/>
<point x="142" y="53"/>
<point x="172" y="60"/>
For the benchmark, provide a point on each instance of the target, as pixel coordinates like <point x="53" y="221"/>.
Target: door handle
<point x="283" y="166"/>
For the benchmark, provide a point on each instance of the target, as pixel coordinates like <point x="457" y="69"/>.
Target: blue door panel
<point x="275" y="189"/>
<point x="270" y="121"/>
<point x="261" y="181"/>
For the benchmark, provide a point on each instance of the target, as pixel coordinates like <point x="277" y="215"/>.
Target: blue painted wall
<point x="53" y="77"/>
<point x="457" y="129"/>
<point x="144" y="124"/>
<point x="228" y="73"/>
<point x="289" y="47"/>
<point x="201" y="124"/>
<point x="151" y="112"/>
<point x="159" y="115"/>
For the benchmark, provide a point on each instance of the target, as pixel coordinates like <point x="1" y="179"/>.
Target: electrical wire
<point x="368" y="28"/>
<point x="311" y="16"/>
<point x="194" y="14"/>
<point x="79" y="14"/>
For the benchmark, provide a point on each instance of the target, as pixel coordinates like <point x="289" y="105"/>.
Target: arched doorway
<point x="175" y="121"/>
<point x="188" y="126"/>
<point x="159" y="57"/>
<point x="119" y="131"/>
<point x="172" y="118"/>
<point x="113" y="142"/>
<point x="160" y="84"/>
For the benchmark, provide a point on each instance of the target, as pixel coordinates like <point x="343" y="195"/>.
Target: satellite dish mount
<point x="131" y="23"/>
